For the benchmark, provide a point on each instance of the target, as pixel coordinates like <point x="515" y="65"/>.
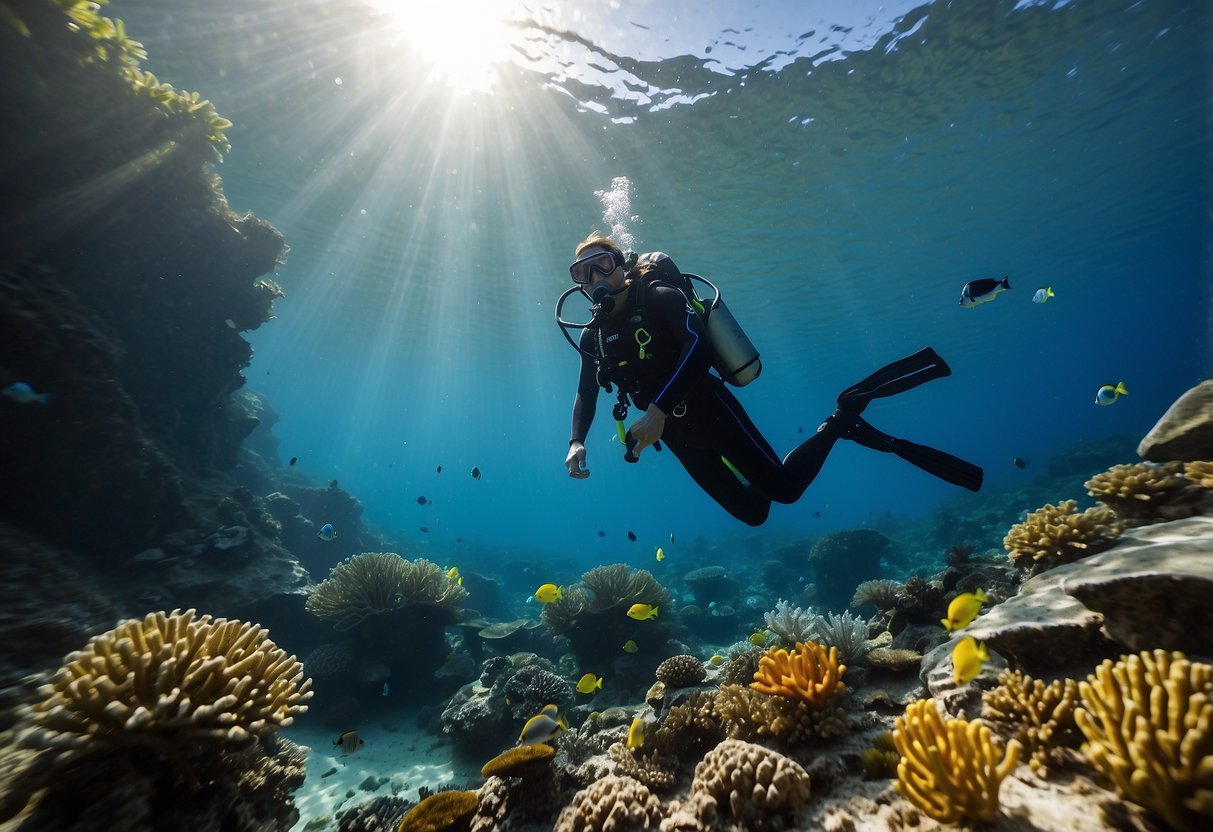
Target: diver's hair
<point x="599" y="240"/>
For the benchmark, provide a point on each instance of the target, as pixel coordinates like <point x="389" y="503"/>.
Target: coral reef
<point x="1148" y="722"/>
<point x="880" y="759"/>
<point x="522" y="761"/>
<point x="618" y="587"/>
<point x="681" y="672"/>
<point x="809" y="672"/>
<point x="611" y="803"/>
<point x="1144" y="492"/>
<point x="842" y="561"/>
<point x="748" y="714"/>
<point x="1041" y="716"/>
<point x="376" y="583"/>
<point x="880" y="593"/>
<point x="1200" y="472"/>
<point x="951" y="769"/>
<point x="710" y="583"/>
<point x="439" y="812"/>
<point x="791" y="624"/>
<point x="655" y="770"/>
<point x="379" y="814"/>
<point x="1057" y="534"/>
<point x="846" y="633"/>
<point x="760" y="787"/>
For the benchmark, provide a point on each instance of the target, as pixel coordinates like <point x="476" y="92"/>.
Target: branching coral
<point x="611" y="803"/>
<point x="1041" y="715"/>
<point x="951" y="769"/>
<point x="846" y="632"/>
<point x="1144" y="492"/>
<point x="171" y="679"/>
<point x="375" y="583"/>
<point x="748" y="714"/>
<point x="758" y="785"/>
<point x="681" y="672"/>
<point x="1200" y="473"/>
<point x="810" y="672"/>
<point x="1057" y="534"/>
<point x="1148" y="721"/>
<point x="655" y="770"/>
<point x="791" y="624"/>
<point x="880" y="593"/>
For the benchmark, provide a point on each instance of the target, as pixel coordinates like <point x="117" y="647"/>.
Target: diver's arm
<point x="668" y="307"/>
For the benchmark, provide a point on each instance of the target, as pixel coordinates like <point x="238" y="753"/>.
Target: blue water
<point x="840" y="170"/>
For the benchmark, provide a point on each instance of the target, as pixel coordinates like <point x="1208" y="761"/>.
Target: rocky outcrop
<point x="1185" y="431"/>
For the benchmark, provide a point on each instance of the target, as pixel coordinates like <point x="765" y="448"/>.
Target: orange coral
<point x="809" y="672"/>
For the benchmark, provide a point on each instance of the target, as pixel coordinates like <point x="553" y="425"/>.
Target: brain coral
<point x="174" y="677"/>
<point x="681" y="672"/>
<point x="758" y="785"/>
<point x="611" y="803"/>
<point x="379" y="582"/>
<point x="1053" y="535"/>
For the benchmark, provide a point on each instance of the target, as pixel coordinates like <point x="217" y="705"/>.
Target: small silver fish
<point x="386" y="689"/>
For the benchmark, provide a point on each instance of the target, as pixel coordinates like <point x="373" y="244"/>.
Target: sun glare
<point x="464" y="42"/>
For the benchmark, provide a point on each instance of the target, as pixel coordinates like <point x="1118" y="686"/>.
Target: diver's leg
<point x="711" y="474"/>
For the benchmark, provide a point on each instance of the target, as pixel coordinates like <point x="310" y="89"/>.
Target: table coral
<point x="809" y="672"/>
<point x="1057" y="534"/>
<point x="951" y="769"/>
<point x="441" y="811"/>
<point x="759" y="786"/>
<point x="1148" y="721"/>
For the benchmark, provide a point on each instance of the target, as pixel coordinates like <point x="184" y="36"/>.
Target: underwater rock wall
<point x="126" y="280"/>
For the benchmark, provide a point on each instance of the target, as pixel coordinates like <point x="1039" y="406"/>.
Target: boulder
<point x="1185" y="431"/>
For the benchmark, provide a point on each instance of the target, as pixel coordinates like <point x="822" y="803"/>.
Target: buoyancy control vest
<point x="734" y="356"/>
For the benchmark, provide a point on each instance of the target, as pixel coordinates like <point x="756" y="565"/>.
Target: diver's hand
<point x="647" y="429"/>
<point x="575" y="461"/>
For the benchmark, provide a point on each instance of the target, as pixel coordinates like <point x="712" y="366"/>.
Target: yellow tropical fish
<point x="589" y="683"/>
<point x="968" y="656"/>
<point x="629" y="646"/>
<point x="963" y="610"/>
<point x="716" y="661"/>
<point x="642" y="612"/>
<point x="660" y="555"/>
<point x="636" y="733"/>
<point x="543" y="726"/>
<point x="758" y="638"/>
<point x="453" y="574"/>
<point x="548" y="593"/>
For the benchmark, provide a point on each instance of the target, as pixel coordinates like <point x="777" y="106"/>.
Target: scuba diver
<point x="652" y="338"/>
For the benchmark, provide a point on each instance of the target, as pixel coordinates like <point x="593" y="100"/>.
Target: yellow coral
<point x="1200" y="473"/>
<point x="951" y="770"/>
<point x="1038" y="712"/>
<point x="378" y="582"/>
<point x="171" y="678"/>
<point x="1057" y="534"/>
<point x="1148" y="721"/>
<point x="1145" y="492"/>
<point x="809" y="672"/>
<point x="438" y="812"/>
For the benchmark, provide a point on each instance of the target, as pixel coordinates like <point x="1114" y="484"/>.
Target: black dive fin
<point x="938" y="463"/>
<point x="897" y="377"/>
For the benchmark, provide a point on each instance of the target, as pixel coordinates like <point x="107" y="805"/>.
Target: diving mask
<point x="600" y="262"/>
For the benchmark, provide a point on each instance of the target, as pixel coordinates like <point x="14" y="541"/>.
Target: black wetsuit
<point x="706" y="424"/>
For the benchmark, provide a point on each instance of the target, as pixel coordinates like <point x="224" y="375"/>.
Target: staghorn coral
<point x="1057" y="534"/>
<point x="791" y="624"/>
<point x="375" y="583"/>
<point x="522" y="761"/>
<point x="880" y="593"/>
<point x="618" y="586"/>
<point x="681" y="672"/>
<point x="1041" y="715"/>
<point x="441" y="811"/>
<point x="170" y="679"/>
<point x="1148" y="722"/>
<point x="951" y="769"/>
<point x="1200" y="472"/>
<point x="747" y="714"/>
<point x="1145" y="492"/>
<point x="760" y="787"/>
<point x="810" y="672"/>
<point x="611" y="803"/>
